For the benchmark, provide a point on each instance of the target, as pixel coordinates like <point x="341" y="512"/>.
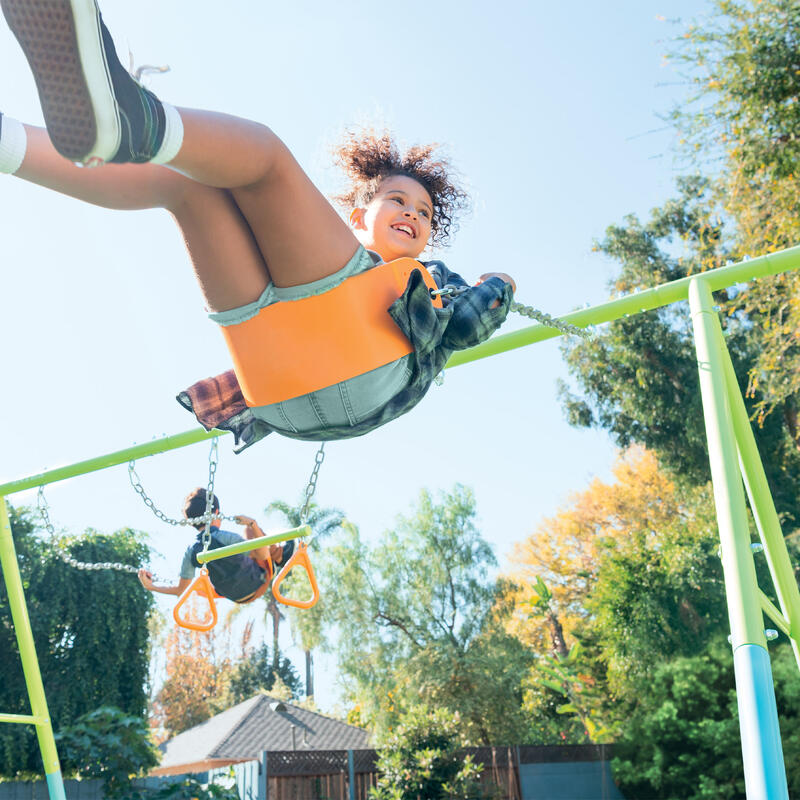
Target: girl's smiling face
<point x="397" y="222"/>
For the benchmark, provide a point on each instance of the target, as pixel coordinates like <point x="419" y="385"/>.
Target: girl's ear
<point x="357" y="219"/>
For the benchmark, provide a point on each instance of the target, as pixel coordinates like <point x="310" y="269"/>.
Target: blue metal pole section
<point x="764" y="771"/>
<point x="30" y="664"/>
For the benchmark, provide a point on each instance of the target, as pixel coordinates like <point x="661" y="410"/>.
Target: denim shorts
<point x="343" y="404"/>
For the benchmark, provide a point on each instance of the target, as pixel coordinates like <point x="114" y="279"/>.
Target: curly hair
<point x="367" y="158"/>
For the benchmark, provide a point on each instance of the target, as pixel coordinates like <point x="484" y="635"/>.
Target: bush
<point x="110" y="745"/>
<point x="421" y="758"/>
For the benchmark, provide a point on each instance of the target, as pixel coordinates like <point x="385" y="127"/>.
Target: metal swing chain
<point x="550" y="322"/>
<point x="206" y="517"/>
<point x="312" y="483"/>
<point x="526" y="311"/>
<point x="59" y="545"/>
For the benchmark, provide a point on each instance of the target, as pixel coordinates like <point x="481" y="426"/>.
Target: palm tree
<point x="323" y="522"/>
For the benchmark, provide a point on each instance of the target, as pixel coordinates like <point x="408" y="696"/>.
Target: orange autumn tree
<point x="197" y="685"/>
<point x="630" y="518"/>
<point x="621" y="578"/>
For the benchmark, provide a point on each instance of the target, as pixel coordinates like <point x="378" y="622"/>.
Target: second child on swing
<point x="257" y="230"/>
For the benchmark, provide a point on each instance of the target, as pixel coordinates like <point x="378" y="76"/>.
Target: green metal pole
<point x="763" y="508"/>
<point x="251" y="544"/>
<point x="30" y="664"/>
<point x="762" y="754"/>
<point x="161" y="445"/>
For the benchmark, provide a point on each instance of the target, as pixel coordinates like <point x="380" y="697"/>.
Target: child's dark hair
<point x="368" y="158"/>
<point x="195" y="505"/>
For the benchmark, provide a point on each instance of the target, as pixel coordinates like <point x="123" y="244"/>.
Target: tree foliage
<point x="197" y="685"/>
<point x="256" y="673"/>
<point x="638" y="379"/>
<point x="90" y="632"/>
<point x="744" y="64"/>
<point x="422" y="758"/>
<point x="110" y="745"/>
<point x="413" y="620"/>
<point x="633" y="560"/>
<point x="628" y="571"/>
<point x="682" y="740"/>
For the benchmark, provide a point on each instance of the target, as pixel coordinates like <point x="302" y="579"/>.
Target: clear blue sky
<point x="548" y="111"/>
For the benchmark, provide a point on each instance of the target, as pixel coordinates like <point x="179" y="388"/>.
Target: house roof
<point x="242" y="732"/>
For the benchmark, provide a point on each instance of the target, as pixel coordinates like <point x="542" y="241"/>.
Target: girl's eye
<point x="425" y="213"/>
<point x="399" y="200"/>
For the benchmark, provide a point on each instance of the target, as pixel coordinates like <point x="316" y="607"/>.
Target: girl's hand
<point x="502" y="276"/>
<point x="246" y="521"/>
<point x="145" y="578"/>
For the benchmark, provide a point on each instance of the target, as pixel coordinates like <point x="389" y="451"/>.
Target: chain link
<point x="312" y="483"/>
<point x="59" y="545"/>
<point x="206" y="517"/>
<point x="525" y="311"/>
<point x="550" y="322"/>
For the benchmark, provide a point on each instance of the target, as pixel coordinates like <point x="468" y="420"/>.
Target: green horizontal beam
<point x="24" y="719"/>
<point x="251" y="544"/>
<point x="152" y="448"/>
<point x="635" y="303"/>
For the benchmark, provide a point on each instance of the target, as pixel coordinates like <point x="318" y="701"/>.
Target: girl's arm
<point x="146" y="579"/>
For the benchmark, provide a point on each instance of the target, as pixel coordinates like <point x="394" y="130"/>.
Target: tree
<point x="413" y="619"/>
<point x="682" y="739"/>
<point x="639" y="377"/>
<point x="110" y="745"/>
<point x="323" y="522"/>
<point x="197" y="685"/>
<point x="744" y="64"/>
<point x="421" y="758"/>
<point x="256" y="672"/>
<point x="89" y="628"/>
<point x="630" y="572"/>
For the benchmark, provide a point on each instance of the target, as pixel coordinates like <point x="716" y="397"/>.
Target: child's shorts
<point x="343" y="404"/>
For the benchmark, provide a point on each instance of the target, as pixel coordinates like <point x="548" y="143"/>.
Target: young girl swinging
<point x="293" y="285"/>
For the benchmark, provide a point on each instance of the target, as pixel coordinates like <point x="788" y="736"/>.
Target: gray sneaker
<point x="94" y="110"/>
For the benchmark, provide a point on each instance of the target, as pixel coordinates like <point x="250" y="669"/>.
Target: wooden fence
<point x="350" y="774"/>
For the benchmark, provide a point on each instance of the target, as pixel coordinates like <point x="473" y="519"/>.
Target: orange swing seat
<point x="295" y="347"/>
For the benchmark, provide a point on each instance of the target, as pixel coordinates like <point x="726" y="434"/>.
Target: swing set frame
<point x="736" y="470"/>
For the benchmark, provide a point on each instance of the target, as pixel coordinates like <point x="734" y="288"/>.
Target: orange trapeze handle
<point x="295" y="347"/>
<point x="299" y="558"/>
<point x="203" y="587"/>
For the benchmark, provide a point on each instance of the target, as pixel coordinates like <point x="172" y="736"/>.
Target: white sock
<point x="13" y="144"/>
<point x="173" y="136"/>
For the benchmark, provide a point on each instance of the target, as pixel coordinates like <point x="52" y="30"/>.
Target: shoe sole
<point x="63" y="44"/>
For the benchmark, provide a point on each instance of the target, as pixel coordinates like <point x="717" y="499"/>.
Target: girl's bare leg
<point x="226" y="257"/>
<point x="300" y="235"/>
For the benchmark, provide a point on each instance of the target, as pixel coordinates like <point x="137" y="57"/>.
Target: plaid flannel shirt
<point x="435" y="333"/>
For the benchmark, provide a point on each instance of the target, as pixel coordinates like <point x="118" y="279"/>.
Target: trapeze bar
<point x="25" y="719"/>
<point x="252" y="544"/>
